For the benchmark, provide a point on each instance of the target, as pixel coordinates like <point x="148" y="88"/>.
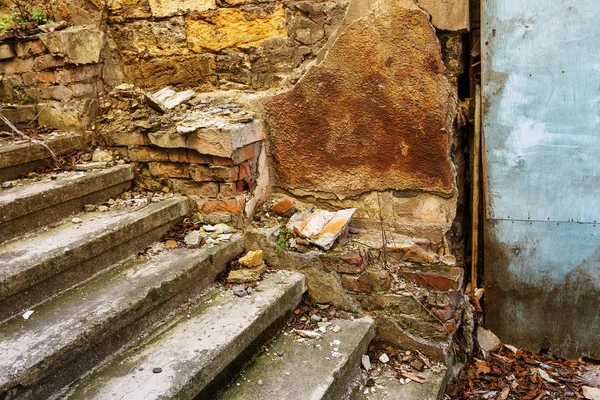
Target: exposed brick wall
<point x="60" y="85"/>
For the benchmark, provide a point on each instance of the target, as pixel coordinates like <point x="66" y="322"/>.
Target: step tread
<point x="192" y="352"/>
<point x="306" y="370"/>
<point x="20" y="152"/>
<point x="47" y="189"/>
<point x="20" y="258"/>
<point x="93" y="308"/>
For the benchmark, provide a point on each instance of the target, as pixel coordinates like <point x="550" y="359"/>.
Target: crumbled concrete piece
<point x="209" y="228"/>
<point x="384" y="358"/>
<point x="260" y="382"/>
<point x="315" y="318"/>
<point x="27" y="314"/>
<point x="366" y="362"/>
<point x="7" y="185"/>
<point x="487" y="340"/>
<point x="102" y="208"/>
<point x="252" y="259"/>
<point x="591" y="393"/>
<point x="193" y="239"/>
<point x="285" y="208"/>
<point x="76" y="220"/>
<point x="90" y="207"/>
<point x="102" y="156"/>
<point x="246" y="275"/>
<point x="308" y="334"/>
<point x="222" y="228"/>
<point x="336" y="354"/>
<point x="321" y="227"/>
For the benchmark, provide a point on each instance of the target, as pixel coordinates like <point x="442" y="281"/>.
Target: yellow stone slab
<point x="229" y="28"/>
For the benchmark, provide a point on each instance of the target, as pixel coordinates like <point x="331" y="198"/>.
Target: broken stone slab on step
<point x="246" y="275"/>
<point x="167" y="98"/>
<point x="321" y="227"/>
<point x="252" y="259"/>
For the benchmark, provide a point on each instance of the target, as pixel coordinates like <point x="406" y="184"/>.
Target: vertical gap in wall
<point x="474" y="72"/>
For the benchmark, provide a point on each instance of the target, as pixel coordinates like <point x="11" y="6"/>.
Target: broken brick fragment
<point x="285" y="208"/>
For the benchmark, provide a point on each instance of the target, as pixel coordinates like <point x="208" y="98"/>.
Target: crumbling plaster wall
<point x="365" y="92"/>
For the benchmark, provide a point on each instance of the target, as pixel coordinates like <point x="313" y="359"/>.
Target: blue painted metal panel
<point x="541" y="88"/>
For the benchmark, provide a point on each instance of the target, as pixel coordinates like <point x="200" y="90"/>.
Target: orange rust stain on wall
<point x="371" y="116"/>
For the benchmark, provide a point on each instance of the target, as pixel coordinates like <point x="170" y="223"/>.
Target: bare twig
<point x="17" y="131"/>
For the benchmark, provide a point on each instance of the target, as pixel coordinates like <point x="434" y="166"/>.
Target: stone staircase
<point x="82" y="317"/>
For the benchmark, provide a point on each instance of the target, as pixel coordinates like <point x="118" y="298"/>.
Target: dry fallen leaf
<point x="482" y="368"/>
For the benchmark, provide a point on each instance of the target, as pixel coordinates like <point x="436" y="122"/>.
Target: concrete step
<point x="39" y="203"/>
<point x="74" y="331"/>
<point x="192" y="352"/>
<point x="389" y="387"/>
<point x="19" y="158"/>
<point x="300" y="369"/>
<point x="35" y="268"/>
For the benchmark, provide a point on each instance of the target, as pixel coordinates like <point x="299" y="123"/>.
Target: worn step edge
<point x="26" y="208"/>
<point x="75" y="331"/>
<point x="192" y="352"/>
<point x="31" y="278"/>
<point x="305" y="371"/>
<point x="17" y="160"/>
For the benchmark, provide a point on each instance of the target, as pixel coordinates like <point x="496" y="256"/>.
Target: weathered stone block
<point x="29" y="48"/>
<point x="151" y="38"/>
<point x="147" y="154"/>
<point x="78" y="44"/>
<point x="232" y="27"/>
<point x="6" y="51"/>
<point x="47" y="61"/>
<point x="195" y="189"/>
<point x="205" y="173"/>
<point x="124" y="138"/>
<point x="169" y="170"/>
<point x="134" y="9"/>
<point x="159" y="72"/>
<point x="219" y="141"/>
<point x="447" y="15"/>
<point x="166" y="8"/>
<point x="81" y="89"/>
<point x="375" y="114"/>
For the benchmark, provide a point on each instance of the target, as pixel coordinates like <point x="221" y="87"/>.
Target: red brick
<point x="285" y="208"/>
<point x="46" y="77"/>
<point x="80" y="74"/>
<point x="232" y="206"/>
<point x="169" y="170"/>
<point x="357" y="283"/>
<point x="29" y="48"/>
<point x="417" y="254"/>
<point x="197" y="158"/>
<point x="450" y="279"/>
<point x="244" y="171"/>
